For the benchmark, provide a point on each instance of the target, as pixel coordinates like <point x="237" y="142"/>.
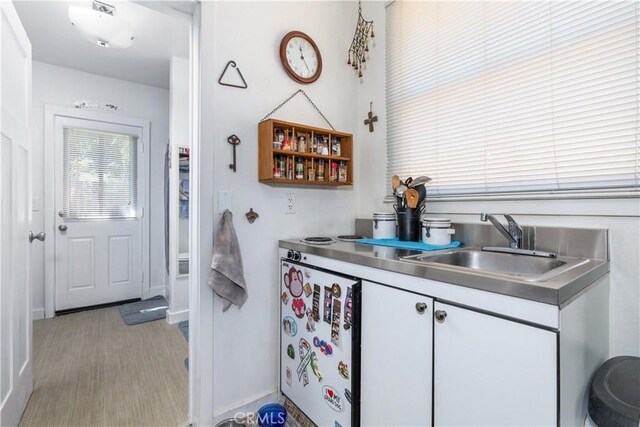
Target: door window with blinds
<point x="512" y="97"/>
<point x="100" y="174"/>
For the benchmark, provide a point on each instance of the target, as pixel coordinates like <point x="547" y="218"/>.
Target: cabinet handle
<point x="421" y="307"/>
<point x="440" y="315"/>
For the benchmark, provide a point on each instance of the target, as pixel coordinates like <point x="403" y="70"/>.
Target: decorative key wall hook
<point x="233" y="140"/>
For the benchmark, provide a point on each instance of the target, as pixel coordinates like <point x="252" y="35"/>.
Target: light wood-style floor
<point x="90" y="369"/>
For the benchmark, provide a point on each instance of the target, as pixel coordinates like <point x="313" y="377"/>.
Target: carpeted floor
<point x="90" y="369"/>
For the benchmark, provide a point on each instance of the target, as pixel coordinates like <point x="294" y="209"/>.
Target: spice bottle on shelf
<point x="335" y="147"/>
<point x="286" y="144"/>
<point x="334" y="172"/>
<point x="289" y="169"/>
<point x="320" y="171"/>
<point x="319" y="144"/>
<point x="325" y="146"/>
<point x="312" y="144"/>
<point x="342" y="172"/>
<point x="302" y="143"/>
<point x="311" y="173"/>
<point x="299" y="169"/>
<point x="279" y="171"/>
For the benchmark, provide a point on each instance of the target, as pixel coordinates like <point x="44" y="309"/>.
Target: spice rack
<point x="295" y="154"/>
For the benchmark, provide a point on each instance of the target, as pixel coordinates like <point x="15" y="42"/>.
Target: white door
<point x="16" y="377"/>
<point x="396" y="342"/>
<point x="98" y="197"/>
<point x="490" y="371"/>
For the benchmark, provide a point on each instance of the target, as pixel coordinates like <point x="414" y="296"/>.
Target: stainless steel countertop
<point x="559" y="290"/>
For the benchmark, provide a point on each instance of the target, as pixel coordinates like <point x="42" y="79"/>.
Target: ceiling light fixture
<point x="100" y="25"/>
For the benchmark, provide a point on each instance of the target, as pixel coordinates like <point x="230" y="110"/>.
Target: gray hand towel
<point x="227" y="277"/>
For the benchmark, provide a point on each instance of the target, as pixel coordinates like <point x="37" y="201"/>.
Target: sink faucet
<point x="513" y="235"/>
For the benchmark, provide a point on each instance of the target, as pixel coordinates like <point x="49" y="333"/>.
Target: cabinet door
<point x="396" y="357"/>
<point x="492" y="371"/>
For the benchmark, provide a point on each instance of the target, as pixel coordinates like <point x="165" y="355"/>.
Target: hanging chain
<point x="293" y="96"/>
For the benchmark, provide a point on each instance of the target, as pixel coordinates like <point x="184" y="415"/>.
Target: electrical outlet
<point x="291" y="204"/>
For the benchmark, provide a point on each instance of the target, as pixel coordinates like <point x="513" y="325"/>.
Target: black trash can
<point x="614" y="393"/>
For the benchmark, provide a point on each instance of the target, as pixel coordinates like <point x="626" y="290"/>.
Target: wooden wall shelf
<point x="296" y="154"/>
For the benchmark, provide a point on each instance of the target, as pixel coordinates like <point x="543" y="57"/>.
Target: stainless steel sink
<point x="528" y="268"/>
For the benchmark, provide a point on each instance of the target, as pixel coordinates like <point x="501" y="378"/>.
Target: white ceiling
<point x="157" y="37"/>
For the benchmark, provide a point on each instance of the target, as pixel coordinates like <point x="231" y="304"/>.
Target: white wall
<point x="621" y="217"/>
<point x="246" y="339"/>
<point x="53" y="85"/>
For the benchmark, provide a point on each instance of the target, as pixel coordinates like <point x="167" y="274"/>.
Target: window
<point x="495" y="97"/>
<point x="100" y="174"/>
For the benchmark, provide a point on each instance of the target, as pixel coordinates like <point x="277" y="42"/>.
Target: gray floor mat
<point x="154" y="308"/>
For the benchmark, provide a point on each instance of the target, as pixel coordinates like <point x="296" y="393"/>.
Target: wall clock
<point x="300" y="57"/>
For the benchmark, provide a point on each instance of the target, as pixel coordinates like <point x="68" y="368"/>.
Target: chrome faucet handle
<point x="516" y="232"/>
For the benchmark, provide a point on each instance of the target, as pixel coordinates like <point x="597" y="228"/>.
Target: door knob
<point x="440" y="315"/>
<point x="421" y="307"/>
<point x="62" y="228"/>
<point x="40" y="236"/>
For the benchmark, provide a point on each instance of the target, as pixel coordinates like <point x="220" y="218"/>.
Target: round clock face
<point x="300" y="57"/>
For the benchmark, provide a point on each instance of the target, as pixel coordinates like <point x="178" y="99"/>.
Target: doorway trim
<point x="51" y="113"/>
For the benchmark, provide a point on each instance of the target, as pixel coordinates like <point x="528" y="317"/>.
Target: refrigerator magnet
<point x="316" y="303"/>
<point x="348" y="309"/>
<point x="324" y="347"/>
<point x="288" y="376"/>
<point x="285" y="298"/>
<point x="307" y="290"/>
<point x="335" y="289"/>
<point x="298" y="307"/>
<point x="315" y="366"/>
<point x="291" y="352"/>
<point x="332" y="398"/>
<point x="289" y="326"/>
<point x="311" y="322"/>
<point x="343" y="370"/>
<point x="326" y="314"/>
<point x="293" y="282"/>
<point x="304" y="350"/>
<point x="335" y="324"/>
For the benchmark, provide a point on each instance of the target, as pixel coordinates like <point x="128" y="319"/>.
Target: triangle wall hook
<point x="233" y="65"/>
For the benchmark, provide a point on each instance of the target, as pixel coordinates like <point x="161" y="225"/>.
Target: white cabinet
<point x="492" y="371"/>
<point x="396" y="357"/>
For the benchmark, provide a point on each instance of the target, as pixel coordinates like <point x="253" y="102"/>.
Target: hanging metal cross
<point x="371" y="118"/>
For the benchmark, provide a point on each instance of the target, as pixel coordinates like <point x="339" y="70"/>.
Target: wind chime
<point x="360" y="44"/>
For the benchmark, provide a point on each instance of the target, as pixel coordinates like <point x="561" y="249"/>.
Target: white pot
<point x="437" y="231"/>
<point x="384" y="225"/>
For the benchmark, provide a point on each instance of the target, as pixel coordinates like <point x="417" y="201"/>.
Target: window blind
<point x="494" y="97"/>
<point x="100" y="175"/>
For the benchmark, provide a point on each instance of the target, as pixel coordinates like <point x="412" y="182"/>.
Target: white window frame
<point x="113" y="128"/>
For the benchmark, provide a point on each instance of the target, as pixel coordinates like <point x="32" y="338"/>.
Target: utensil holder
<point x="408" y="224"/>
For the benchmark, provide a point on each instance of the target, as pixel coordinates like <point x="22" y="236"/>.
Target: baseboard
<point x="37" y="313"/>
<point x="177" y="316"/>
<point x="251" y="406"/>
